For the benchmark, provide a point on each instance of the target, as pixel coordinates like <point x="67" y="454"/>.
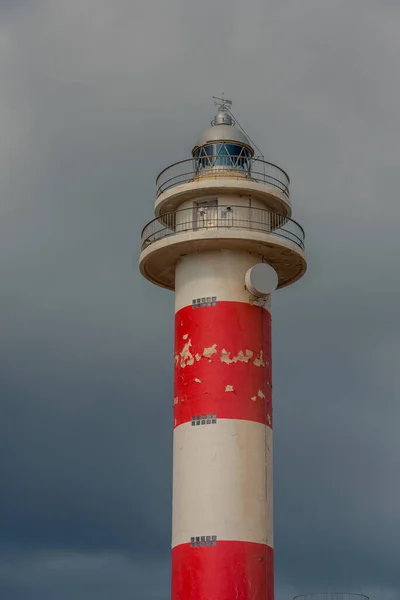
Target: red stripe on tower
<point x="223" y="363"/>
<point x="227" y="571"/>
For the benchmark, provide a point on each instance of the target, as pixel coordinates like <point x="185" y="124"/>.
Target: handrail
<point x="222" y="217"/>
<point x="332" y="596"/>
<point x="253" y="169"/>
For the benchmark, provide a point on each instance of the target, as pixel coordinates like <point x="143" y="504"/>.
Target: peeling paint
<point x="176" y="358"/>
<point x="197" y="380"/>
<point x="229" y="388"/>
<point x="261" y="394"/>
<point x="254" y="398"/>
<point x="225" y="356"/>
<point x="259" y="362"/>
<point x="244" y="357"/>
<point x="185" y="337"/>
<point x="208" y="352"/>
<point x="187" y="357"/>
<point x="269" y="419"/>
<point x="241" y="356"/>
<point x="198" y="357"/>
<point x="176" y="401"/>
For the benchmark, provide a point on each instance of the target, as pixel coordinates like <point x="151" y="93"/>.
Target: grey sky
<point x="97" y="97"/>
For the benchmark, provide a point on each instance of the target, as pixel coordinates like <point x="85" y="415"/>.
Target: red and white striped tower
<point x="222" y="221"/>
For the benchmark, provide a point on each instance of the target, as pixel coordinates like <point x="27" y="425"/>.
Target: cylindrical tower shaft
<point x="222" y="495"/>
<point x="218" y="217"/>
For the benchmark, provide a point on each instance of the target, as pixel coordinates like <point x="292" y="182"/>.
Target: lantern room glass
<point x="222" y="154"/>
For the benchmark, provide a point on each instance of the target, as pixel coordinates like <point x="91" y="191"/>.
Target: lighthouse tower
<point x="223" y="240"/>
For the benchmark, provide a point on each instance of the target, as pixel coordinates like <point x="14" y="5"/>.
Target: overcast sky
<point x="96" y="98"/>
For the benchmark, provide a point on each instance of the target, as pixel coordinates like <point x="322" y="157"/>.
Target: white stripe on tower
<point x="213" y="273"/>
<point x="221" y="481"/>
<point x="222" y="499"/>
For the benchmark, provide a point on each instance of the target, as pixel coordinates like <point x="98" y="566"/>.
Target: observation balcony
<point x="275" y="236"/>
<point x="223" y="217"/>
<point x="229" y="173"/>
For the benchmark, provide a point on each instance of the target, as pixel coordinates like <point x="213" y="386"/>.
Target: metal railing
<point x="213" y="167"/>
<point x="222" y="217"/>
<point x="332" y="596"/>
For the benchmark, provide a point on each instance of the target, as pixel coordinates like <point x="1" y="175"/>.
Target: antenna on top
<point x="225" y="105"/>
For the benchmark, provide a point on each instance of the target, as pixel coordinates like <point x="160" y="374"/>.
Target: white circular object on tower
<point x="261" y="280"/>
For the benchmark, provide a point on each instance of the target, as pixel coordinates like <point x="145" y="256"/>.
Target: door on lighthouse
<point x="205" y="214"/>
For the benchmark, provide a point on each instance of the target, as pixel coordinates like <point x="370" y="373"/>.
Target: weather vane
<point x="222" y="102"/>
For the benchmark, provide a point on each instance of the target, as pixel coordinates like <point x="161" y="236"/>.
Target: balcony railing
<point x="332" y="596"/>
<point x="222" y="217"/>
<point x="213" y="167"/>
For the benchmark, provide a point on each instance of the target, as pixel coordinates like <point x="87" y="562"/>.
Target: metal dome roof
<point x="222" y="133"/>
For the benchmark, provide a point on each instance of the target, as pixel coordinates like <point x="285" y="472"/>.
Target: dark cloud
<point x="96" y="100"/>
<point x="80" y="576"/>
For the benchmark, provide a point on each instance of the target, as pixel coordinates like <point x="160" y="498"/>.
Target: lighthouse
<point x="224" y="241"/>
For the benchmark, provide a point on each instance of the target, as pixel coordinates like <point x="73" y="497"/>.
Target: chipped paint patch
<point x="185" y="337"/>
<point x="187" y="357"/>
<point x="209" y="352"/>
<point x="197" y="380"/>
<point x="176" y="400"/>
<point x="244" y="356"/>
<point x="225" y="356"/>
<point x="269" y="419"/>
<point x="254" y="398"/>
<point x="259" y="362"/>
<point x="261" y="394"/>
<point x="241" y="356"/>
<point x="176" y="359"/>
<point x="229" y="388"/>
<point x="198" y="357"/>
